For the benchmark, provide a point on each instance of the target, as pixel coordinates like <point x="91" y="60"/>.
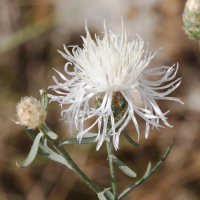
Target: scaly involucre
<point x="107" y="66"/>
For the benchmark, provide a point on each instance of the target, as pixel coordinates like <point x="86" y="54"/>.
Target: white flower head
<point x="112" y="66"/>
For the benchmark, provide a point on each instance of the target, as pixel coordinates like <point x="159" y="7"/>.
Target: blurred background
<point x="30" y="34"/>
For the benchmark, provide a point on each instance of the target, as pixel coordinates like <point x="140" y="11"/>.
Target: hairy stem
<point x="112" y="170"/>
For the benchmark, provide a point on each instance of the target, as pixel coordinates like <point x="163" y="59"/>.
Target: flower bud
<point x="191" y="19"/>
<point x="30" y="112"/>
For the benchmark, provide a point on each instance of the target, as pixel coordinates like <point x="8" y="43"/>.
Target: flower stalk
<point x="109" y="144"/>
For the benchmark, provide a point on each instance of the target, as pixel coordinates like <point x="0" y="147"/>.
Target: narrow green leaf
<point x="86" y="135"/>
<point x="44" y="98"/>
<point x="129" y="139"/>
<point x="109" y="194"/>
<point x="43" y="154"/>
<point x="75" y="133"/>
<point x="30" y="133"/>
<point x="54" y="156"/>
<point x="32" y="136"/>
<point x="44" y="142"/>
<point x="146" y="175"/>
<point x="147" y="171"/>
<point x="161" y="161"/>
<point x="51" y="154"/>
<point x="123" y="167"/>
<point x="101" y="195"/>
<point x="75" y="141"/>
<point x="48" y="131"/>
<point x="32" y="152"/>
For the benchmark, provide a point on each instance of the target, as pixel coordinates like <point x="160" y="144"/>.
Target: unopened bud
<point x="191" y="19"/>
<point x="193" y="5"/>
<point x="30" y="112"/>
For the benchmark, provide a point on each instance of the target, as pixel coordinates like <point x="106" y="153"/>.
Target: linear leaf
<point x="75" y="133"/>
<point x="30" y="133"/>
<point x="147" y="171"/>
<point x="159" y="164"/>
<point x="129" y="139"/>
<point x="32" y="152"/>
<point x="43" y="154"/>
<point x="49" y="132"/>
<point x="52" y="155"/>
<point x="146" y="175"/>
<point x="86" y="135"/>
<point x="109" y="194"/>
<point x="44" y="99"/>
<point x="101" y="194"/>
<point x="75" y="141"/>
<point x="123" y="167"/>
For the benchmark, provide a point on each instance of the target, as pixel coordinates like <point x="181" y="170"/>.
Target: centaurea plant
<point x="109" y="72"/>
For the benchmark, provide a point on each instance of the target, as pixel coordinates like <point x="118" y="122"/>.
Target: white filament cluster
<point x="110" y="65"/>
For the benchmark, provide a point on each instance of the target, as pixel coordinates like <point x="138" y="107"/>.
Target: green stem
<point x="112" y="170"/>
<point x="73" y="165"/>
